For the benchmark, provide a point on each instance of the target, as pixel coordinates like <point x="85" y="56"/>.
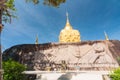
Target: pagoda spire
<point x="36" y="41"/>
<point x="68" y="25"/>
<point x="106" y="36"/>
<point x="67" y="17"/>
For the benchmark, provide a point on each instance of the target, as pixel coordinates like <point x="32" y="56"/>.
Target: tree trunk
<point x="0" y="46"/>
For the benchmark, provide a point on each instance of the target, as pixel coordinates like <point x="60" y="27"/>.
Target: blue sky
<point x="90" y="17"/>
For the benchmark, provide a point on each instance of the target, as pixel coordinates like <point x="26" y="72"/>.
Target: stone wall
<point x="87" y="55"/>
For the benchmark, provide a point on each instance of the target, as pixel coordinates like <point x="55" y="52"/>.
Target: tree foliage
<point x="8" y="9"/>
<point x="115" y="75"/>
<point x="13" y="70"/>
<point x="54" y="3"/>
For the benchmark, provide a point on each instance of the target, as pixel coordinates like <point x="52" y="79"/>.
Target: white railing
<point x="55" y="72"/>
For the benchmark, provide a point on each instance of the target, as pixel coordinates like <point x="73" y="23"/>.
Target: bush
<point x="115" y="75"/>
<point x="13" y="70"/>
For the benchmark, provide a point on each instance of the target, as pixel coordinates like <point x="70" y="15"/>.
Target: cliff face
<point x="97" y="55"/>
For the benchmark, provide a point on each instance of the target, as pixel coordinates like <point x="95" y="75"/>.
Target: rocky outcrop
<point x="87" y="55"/>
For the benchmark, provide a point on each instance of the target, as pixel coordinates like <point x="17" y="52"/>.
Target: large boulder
<point x="87" y="55"/>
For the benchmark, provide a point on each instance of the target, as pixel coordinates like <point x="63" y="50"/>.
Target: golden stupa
<point x="68" y="34"/>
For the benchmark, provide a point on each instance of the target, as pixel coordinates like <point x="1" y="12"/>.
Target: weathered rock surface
<point x="95" y="55"/>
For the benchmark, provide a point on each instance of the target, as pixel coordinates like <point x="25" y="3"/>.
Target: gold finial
<point x="106" y="36"/>
<point x="67" y="17"/>
<point x="36" y="41"/>
<point x="68" y="26"/>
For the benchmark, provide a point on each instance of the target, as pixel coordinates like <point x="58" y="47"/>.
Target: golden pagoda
<point x="68" y="34"/>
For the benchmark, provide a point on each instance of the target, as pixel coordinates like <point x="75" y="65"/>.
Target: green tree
<point x="7" y="7"/>
<point x="115" y="75"/>
<point x="13" y="70"/>
<point x="54" y="3"/>
<point x="6" y="12"/>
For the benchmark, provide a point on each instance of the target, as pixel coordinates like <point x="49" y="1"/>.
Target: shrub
<point x="115" y="75"/>
<point x="13" y="70"/>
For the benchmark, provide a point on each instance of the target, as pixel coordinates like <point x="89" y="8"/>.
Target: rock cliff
<point x="87" y="55"/>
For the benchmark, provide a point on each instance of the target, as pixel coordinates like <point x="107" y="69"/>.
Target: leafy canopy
<point x="13" y="70"/>
<point x="8" y="9"/>
<point x="54" y="3"/>
<point x="116" y="74"/>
